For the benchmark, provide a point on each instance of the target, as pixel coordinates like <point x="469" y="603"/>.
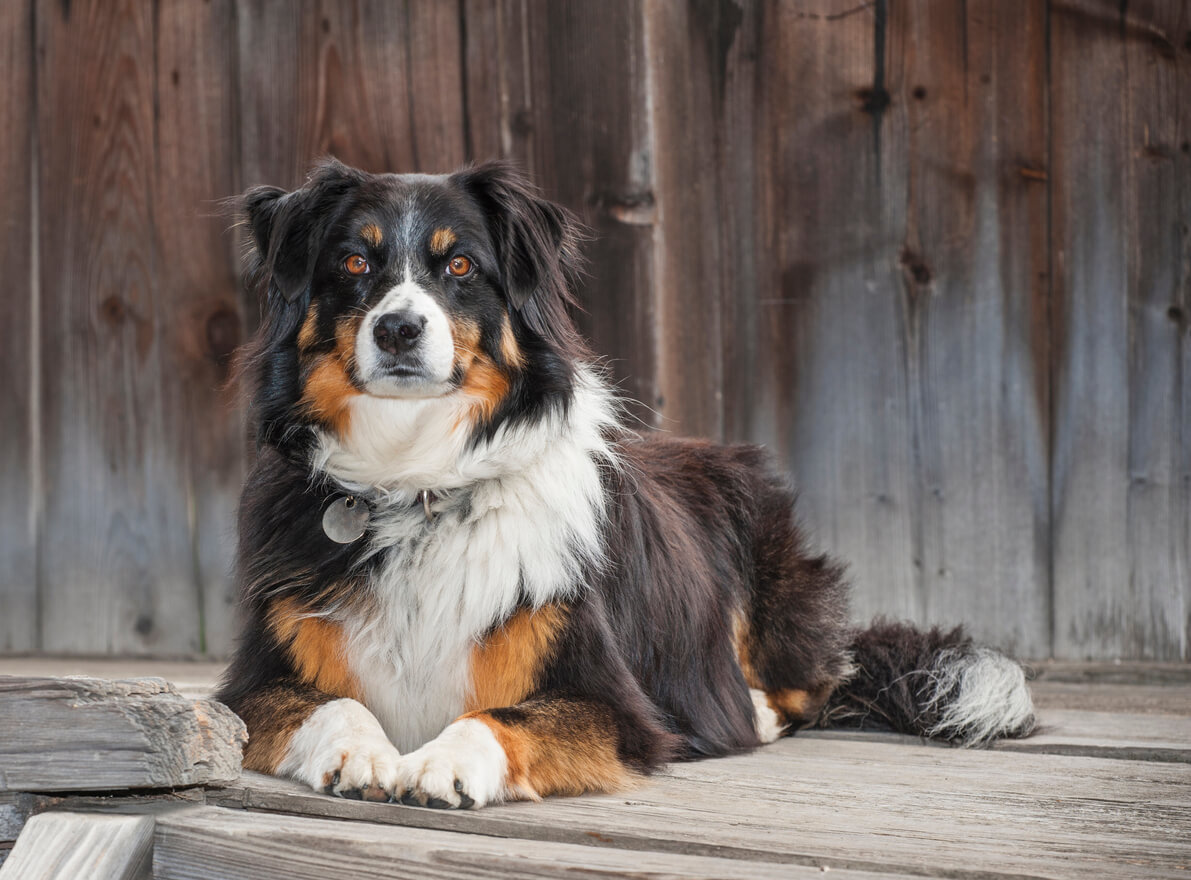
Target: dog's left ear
<point x="537" y="241"/>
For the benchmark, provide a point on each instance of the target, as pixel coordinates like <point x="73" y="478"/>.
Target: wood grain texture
<point x="1121" y="178"/>
<point x="880" y="807"/>
<point x="202" y="312"/>
<point x="573" y="108"/>
<point x="498" y="80"/>
<point x="81" y="734"/>
<point x="686" y="60"/>
<point x="966" y="123"/>
<point x="18" y="407"/>
<point x="832" y="375"/>
<point x="823" y="225"/>
<point x="206" y="843"/>
<point x="373" y="83"/>
<point x="66" y="846"/>
<point x="115" y="552"/>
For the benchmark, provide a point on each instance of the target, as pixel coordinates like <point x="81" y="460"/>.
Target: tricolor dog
<point x="466" y="581"/>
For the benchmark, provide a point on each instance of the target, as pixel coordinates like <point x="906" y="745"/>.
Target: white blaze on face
<point x="433" y="357"/>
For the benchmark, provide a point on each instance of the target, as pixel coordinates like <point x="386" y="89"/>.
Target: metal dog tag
<point x="346" y="519"/>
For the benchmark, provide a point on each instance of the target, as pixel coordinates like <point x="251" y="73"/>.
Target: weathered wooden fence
<point x="936" y="254"/>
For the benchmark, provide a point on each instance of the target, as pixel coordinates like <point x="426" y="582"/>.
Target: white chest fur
<point x="521" y="533"/>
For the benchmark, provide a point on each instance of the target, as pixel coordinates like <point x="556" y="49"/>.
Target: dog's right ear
<point x="287" y="231"/>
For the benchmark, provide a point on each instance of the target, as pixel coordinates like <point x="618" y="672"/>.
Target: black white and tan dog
<point x="464" y="579"/>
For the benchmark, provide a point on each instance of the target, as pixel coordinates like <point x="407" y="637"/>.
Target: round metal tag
<point x="346" y="519"/>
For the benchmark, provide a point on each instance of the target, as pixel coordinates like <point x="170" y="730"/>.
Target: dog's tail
<point x="931" y="683"/>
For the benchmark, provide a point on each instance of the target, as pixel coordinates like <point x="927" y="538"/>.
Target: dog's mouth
<point x="405" y="379"/>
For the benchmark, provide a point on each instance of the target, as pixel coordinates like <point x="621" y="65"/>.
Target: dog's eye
<point x="356" y="265"/>
<point x="459" y="266"/>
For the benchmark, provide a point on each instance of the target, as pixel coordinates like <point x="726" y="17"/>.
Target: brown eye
<point x="356" y="265"/>
<point x="459" y="266"/>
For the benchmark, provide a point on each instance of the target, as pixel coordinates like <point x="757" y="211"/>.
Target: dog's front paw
<point x="463" y="767"/>
<point x="342" y="750"/>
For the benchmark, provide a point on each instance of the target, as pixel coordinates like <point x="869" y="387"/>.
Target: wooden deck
<point x="1103" y="791"/>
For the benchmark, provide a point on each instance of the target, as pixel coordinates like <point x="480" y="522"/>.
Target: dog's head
<point x="410" y="287"/>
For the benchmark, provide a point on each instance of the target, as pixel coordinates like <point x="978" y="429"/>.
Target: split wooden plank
<point x="80" y="734"/>
<point x="68" y="846"/>
<point x="848" y="804"/>
<point x="19" y="443"/>
<point x="115" y="555"/>
<point x="1121" y="213"/>
<point x="207" y="843"/>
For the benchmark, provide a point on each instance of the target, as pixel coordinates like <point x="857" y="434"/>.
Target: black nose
<point x="398" y="332"/>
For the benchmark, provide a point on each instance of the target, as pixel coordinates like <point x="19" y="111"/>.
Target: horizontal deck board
<point x="207" y="843"/>
<point x="848" y="804"/>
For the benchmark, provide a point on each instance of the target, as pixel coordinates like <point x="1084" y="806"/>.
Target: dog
<point x="465" y="581"/>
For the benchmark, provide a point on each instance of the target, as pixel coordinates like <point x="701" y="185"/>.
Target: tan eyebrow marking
<point x="371" y="233"/>
<point x="442" y="240"/>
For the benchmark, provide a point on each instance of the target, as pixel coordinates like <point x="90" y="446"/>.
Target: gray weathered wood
<point x="70" y="846"/>
<point x="1105" y="734"/>
<point x="967" y="86"/>
<point x="848" y="804"/>
<point x="202" y="314"/>
<point x="115" y="556"/>
<point x="81" y="734"/>
<point x="1110" y="735"/>
<point x="903" y="346"/>
<point x="830" y="202"/>
<point x="207" y="843"/>
<point x="194" y="679"/>
<point x="19" y="442"/>
<point x="1121" y="179"/>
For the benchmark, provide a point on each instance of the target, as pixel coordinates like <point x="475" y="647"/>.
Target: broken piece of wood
<point x="88" y="734"/>
<point x="65" y="846"/>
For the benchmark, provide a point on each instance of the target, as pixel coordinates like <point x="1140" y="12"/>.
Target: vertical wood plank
<point x="686" y="49"/>
<point x="1157" y="220"/>
<point x="200" y="304"/>
<point x="1120" y="120"/>
<point x="496" y="77"/>
<point x="967" y="85"/>
<point x="116" y="556"/>
<point x="18" y="485"/>
<point x="832" y="366"/>
<point x="576" y="113"/>
<point x="376" y="84"/>
<point x="743" y="271"/>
